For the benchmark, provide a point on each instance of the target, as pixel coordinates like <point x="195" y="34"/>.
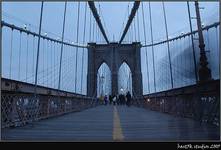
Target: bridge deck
<point x="110" y="123"/>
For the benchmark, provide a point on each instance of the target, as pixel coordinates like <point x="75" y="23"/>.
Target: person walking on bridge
<point x="114" y="100"/>
<point x="110" y="99"/>
<point x="128" y="96"/>
<point x="105" y="100"/>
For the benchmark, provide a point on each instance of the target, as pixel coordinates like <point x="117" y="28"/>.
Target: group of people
<point x="117" y="99"/>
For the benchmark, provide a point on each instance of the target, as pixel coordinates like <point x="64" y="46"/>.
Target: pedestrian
<point x="128" y="96"/>
<point x="105" y="100"/>
<point x="123" y="99"/>
<point x="118" y="100"/>
<point x="114" y="100"/>
<point x="110" y="99"/>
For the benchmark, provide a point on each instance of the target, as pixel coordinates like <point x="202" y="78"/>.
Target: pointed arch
<point x="124" y="78"/>
<point x="103" y="80"/>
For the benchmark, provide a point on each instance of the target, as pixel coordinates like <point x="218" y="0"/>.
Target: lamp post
<point x="204" y="71"/>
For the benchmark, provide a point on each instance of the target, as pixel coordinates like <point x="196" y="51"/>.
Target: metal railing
<point x="200" y="102"/>
<point x="19" y="106"/>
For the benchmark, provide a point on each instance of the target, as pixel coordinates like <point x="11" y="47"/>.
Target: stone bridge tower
<point x="114" y="55"/>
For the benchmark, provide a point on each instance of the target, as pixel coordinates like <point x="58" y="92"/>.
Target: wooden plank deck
<point x="103" y="123"/>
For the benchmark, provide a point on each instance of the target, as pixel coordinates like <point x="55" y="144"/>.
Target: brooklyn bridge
<point x="63" y="63"/>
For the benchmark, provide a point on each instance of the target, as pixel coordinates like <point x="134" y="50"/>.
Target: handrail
<point x="9" y="85"/>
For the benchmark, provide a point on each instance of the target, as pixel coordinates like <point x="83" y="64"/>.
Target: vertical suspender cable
<point x="135" y="33"/>
<point x="47" y="58"/>
<point x="26" y="70"/>
<point x="129" y="33"/>
<point x="19" y="59"/>
<point x="96" y="32"/>
<point x="37" y="60"/>
<point x="168" y="46"/>
<point x="138" y="25"/>
<point x="193" y="48"/>
<point x="90" y="28"/>
<point x="59" y="79"/>
<point x="77" y="48"/>
<point x="53" y="72"/>
<point x="43" y="49"/>
<point x="145" y="38"/>
<point x="33" y="57"/>
<point x="85" y="16"/>
<point x="99" y="13"/>
<point x="93" y="30"/>
<point x="51" y="43"/>
<point x="11" y="48"/>
<point x="217" y="43"/>
<point x="151" y="35"/>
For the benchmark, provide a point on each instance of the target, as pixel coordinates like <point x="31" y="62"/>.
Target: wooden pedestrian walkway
<point x="113" y="123"/>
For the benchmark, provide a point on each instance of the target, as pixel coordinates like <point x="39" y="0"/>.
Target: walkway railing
<point x="19" y="106"/>
<point x="200" y="102"/>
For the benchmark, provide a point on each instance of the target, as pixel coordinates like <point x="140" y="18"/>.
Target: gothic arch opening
<point x="124" y="79"/>
<point x="103" y="80"/>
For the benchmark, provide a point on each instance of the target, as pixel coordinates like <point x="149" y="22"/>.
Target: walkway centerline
<point x="117" y="129"/>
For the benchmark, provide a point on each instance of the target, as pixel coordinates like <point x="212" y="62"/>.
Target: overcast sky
<point x="113" y="15"/>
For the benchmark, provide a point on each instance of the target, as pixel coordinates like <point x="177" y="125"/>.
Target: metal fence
<point x="200" y="102"/>
<point x="20" y="106"/>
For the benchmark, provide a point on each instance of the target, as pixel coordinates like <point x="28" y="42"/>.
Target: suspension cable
<point x="168" y="46"/>
<point x="33" y="57"/>
<point x="145" y="38"/>
<point x="10" y="68"/>
<point x="47" y="58"/>
<point x="217" y="44"/>
<point x="138" y="25"/>
<point x="59" y="79"/>
<point x="129" y="32"/>
<point x="26" y="70"/>
<point x="193" y="47"/>
<point x="85" y="17"/>
<point x="50" y="64"/>
<point x="151" y="35"/>
<point x="76" y="56"/>
<point x="90" y="28"/>
<point x="19" y="59"/>
<point x="37" y="60"/>
<point x="43" y="50"/>
<point x="93" y="31"/>
<point x="135" y="33"/>
<point x="54" y="72"/>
